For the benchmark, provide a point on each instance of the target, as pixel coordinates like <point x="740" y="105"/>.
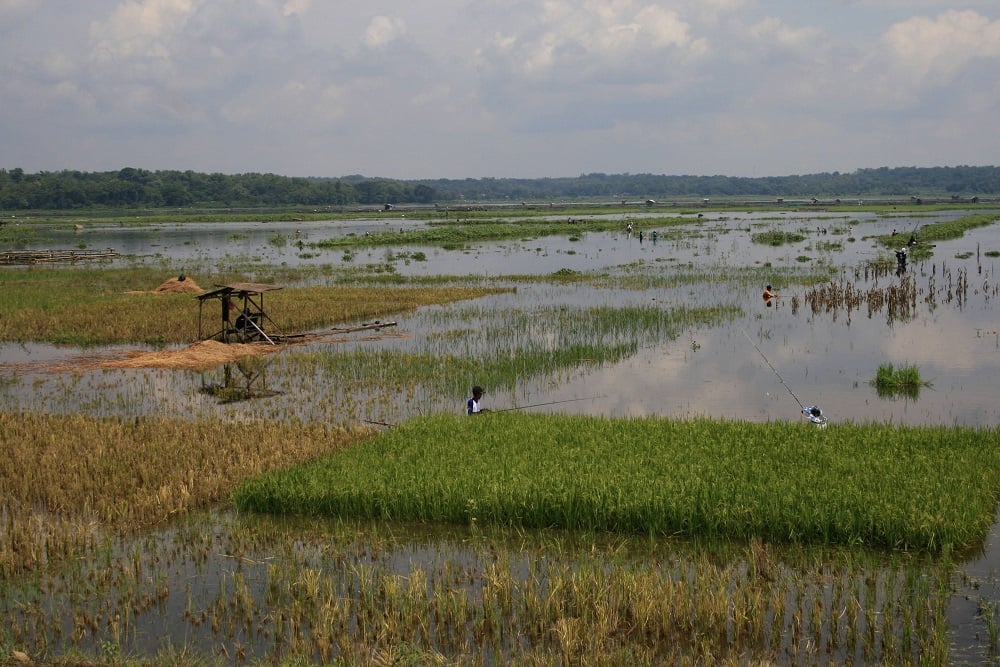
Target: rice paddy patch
<point x="890" y="487"/>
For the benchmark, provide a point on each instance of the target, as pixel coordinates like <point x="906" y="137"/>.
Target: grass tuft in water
<point x="891" y="380"/>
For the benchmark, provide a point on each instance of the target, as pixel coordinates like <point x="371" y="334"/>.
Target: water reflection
<point x="240" y="381"/>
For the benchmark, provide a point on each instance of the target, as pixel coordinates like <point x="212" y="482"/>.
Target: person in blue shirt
<point x="473" y="406"/>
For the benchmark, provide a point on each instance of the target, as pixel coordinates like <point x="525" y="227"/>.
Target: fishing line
<point x="537" y="405"/>
<point x="803" y="407"/>
<point x="487" y="411"/>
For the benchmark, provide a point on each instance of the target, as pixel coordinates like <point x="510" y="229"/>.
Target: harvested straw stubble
<point x="203" y="354"/>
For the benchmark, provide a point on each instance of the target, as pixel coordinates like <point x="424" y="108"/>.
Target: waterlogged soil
<point x="764" y="365"/>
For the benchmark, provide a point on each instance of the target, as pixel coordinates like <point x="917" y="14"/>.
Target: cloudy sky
<point x="502" y="88"/>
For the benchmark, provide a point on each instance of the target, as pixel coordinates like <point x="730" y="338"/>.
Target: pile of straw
<point x="203" y="354"/>
<point x="176" y="285"/>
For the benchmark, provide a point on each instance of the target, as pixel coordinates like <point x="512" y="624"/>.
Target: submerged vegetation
<point x="777" y="237"/>
<point x="459" y="232"/>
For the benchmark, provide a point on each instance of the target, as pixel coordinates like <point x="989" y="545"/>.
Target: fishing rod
<point x="538" y="405"/>
<point x="520" y="407"/>
<point x="803" y="407"/>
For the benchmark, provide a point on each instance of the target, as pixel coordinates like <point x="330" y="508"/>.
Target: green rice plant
<point x="778" y="482"/>
<point x="893" y="381"/>
<point x="989" y="611"/>
<point x="776" y="237"/>
<point x="477" y="344"/>
<point x="939" y="231"/>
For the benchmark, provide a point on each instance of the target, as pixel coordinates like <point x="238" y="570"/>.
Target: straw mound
<point x="175" y="286"/>
<point x="203" y="354"/>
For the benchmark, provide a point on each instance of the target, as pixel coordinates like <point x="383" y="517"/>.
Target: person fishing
<point x="901" y="260"/>
<point x="815" y="414"/>
<point x="769" y="296"/>
<point x="473" y="406"/>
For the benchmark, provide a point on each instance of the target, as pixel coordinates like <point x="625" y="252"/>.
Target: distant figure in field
<point x="901" y="259"/>
<point x="473" y="406"/>
<point x="769" y="296"/>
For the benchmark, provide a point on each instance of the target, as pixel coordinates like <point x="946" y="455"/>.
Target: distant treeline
<point x="141" y="188"/>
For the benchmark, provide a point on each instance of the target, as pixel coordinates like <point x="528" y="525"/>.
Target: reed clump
<point x="777" y="482"/>
<point x="898" y="300"/>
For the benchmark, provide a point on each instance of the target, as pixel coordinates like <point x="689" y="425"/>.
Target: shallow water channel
<point x="763" y="365"/>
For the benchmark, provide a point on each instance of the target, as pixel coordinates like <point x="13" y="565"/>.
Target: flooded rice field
<point x="805" y="346"/>
<point x="808" y="346"/>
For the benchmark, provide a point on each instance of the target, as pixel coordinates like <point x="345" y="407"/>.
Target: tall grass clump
<point x="780" y="482"/>
<point x="893" y="380"/>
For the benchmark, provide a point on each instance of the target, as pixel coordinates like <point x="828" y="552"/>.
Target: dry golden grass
<point x="201" y="355"/>
<point x="116" y="306"/>
<point x="67" y="478"/>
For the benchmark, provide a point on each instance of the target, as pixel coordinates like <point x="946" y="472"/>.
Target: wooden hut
<point x="243" y="319"/>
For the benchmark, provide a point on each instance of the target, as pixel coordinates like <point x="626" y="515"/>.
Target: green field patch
<point x="776" y="237"/>
<point x="931" y="488"/>
<point x="937" y="231"/>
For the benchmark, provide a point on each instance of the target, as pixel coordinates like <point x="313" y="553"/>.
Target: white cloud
<point x="936" y="49"/>
<point x="295" y="7"/>
<point x="500" y="87"/>
<point x="774" y="31"/>
<point x="140" y="29"/>
<point x="383" y="30"/>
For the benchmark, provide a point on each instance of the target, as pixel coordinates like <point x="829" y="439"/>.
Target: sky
<point x="431" y="89"/>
